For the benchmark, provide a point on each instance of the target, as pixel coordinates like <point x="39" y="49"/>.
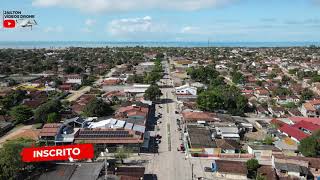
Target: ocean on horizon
<point x="65" y="44"/>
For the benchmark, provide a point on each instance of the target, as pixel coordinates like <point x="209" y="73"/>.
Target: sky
<point x="167" y="20"/>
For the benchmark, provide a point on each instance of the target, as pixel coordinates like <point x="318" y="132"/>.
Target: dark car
<point x="207" y="169"/>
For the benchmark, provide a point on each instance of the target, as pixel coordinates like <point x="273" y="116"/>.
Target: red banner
<point x="56" y="153"/>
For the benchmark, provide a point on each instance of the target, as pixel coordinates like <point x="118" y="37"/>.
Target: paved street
<point x="171" y="164"/>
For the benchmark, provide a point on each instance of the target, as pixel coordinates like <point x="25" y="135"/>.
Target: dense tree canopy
<point x="42" y="112"/>
<point x="10" y="160"/>
<point x="306" y="94"/>
<point x="13" y="99"/>
<point x="153" y="93"/>
<point x="222" y="98"/>
<point x="21" y="113"/>
<point x="237" y="77"/>
<point x="97" y="107"/>
<point x="135" y="78"/>
<point x="310" y="146"/>
<point x="203" y="74"/>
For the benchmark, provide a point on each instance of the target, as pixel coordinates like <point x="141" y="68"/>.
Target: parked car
<point x="158" y="136"/>
<point x="207" y="169"/>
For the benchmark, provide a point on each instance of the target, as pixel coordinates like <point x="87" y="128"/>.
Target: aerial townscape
<point x="160" y="90"/>
<point x="163" y="113"/>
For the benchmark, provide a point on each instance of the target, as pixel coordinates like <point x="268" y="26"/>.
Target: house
<point x="267" y="172"/>
<point x="136" y="90"/>
<point x="111" y="81"/>
<point x="299" y="165"/>
<point x="290" y="168"/>
<point x="186" y="93"/>
<point x="200" y="142"/>
<point x="261" y="124"/>
<point x="74" y="79"/>
<point x="262" y="151"/>
<point x="49" y="132"/>
<point x="287" y="146"/>
<point x="227" y="132"/>
<point x="134" y="112"/>
<point x="229" y="169"/>
<point x="66" y="87"/>
<point x="306" y="119"/>
<point x="5" y="127"/>
<point x="299" y="131"/>
<point x="311" y="108"/>
<point x="111" y="138"/>
<point x="228" y="146"/>
<point x="144" y="67"/>
<point x="112" y="95"/>
<point x="262" y="111"/>
<point x="79" y="105"/>
<point x="196" y="116"/>
<point x="186" y="90"/>
<point x="36" y="98"/>
<point x="282" y="100"/>
<point x="262" y="95"/>
<point x="78" y="171"/>
<point x="277" y="111"/>
<point x="294" y="112"/>
<point x="130" y="173"/>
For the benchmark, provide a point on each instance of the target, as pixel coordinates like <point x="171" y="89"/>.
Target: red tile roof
<point x="232" y="167"/>
<point x="50" y="129"/>
<point x="307" y="125"/>
<point x="199" y="116"/>
<point x="306" y="119"/>
<point x="293" y="132"/>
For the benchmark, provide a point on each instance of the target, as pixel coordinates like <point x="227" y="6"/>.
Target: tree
<point x="97" y="107"/>
<point x="122" y="153"/>
<point x="310" y="146"/>
<point x="42" y="112"/>
<point x="306" y="94"/>
<point x="261" y="177"/>
<point x="282" y="92"/>
<point x="13" y="99"/>
<point x="153" y="93"/>
<point x="21" y="113"/>
<point x="11" y="164"/>
<point x="135" y="79"/>
<point x="52" y="117"/>
<point x="223" y="97"/>
<point x="237" y="77"/>
<point x="268" y="140"/>
<point x="252" y="166"/>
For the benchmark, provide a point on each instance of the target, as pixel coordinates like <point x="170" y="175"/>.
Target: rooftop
<point x="199" y="116"/>
<point x="50" y="129"/>
<point x="200" y="137"/>
<point x="233" y="167"/>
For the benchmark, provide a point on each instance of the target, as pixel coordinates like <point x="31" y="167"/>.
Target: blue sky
<point x="167" y="20"/>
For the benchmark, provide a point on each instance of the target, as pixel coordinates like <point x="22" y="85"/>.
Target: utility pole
<point x="192" y="171"/>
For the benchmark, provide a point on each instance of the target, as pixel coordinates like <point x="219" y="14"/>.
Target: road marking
<point x="169" y="136"/>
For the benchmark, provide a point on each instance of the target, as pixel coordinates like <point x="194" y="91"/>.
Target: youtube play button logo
<point x="9" y="23"/>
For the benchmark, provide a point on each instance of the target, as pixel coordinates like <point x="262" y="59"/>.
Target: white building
<point x="186" y="90"/>
<point x="74" y="79"/>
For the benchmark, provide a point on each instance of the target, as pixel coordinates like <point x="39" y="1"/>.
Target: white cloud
<point x="56" y="29"/>
<point x="90" y="22"/>
<point x="96" y="6"/>
<point x="133" y="25"/>
<point x="190" y="30"/>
